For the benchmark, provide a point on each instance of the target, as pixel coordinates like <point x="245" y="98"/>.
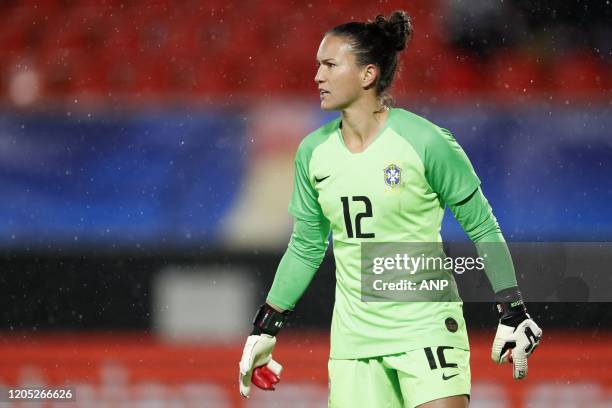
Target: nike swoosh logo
<point x="318" y="180"/>
<point x="444" y="377"/>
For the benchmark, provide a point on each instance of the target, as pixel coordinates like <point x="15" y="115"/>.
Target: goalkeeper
<point x="383" y="174"/>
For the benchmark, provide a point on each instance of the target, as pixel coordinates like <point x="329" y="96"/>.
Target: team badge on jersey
<point x="393" y="175"/>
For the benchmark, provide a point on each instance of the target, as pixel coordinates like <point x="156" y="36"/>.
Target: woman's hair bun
<point x="398" y="28"/>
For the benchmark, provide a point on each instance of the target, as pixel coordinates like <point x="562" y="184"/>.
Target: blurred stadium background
<point x="146" y="155"/>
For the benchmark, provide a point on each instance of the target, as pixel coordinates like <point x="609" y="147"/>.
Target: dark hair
<point x="378" y="42"/>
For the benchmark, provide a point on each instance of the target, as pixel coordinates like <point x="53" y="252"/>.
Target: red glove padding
<point x="264" y="378"/>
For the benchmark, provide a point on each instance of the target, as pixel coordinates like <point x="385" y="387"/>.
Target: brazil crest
<point x="393" y="175"/>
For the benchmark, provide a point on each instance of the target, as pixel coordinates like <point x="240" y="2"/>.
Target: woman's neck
<point x="361" y="125"/>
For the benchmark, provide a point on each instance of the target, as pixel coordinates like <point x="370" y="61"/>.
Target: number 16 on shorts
<point x="445" y="359"/>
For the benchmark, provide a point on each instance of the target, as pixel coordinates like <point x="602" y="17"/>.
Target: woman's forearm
<point x="476" y="218"/>
<point x="298" y="266"/>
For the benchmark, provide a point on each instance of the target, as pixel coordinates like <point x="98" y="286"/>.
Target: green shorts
<point x="399" y="380"/>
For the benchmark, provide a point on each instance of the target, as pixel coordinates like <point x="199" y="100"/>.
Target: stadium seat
<point x="516" y="74"/>
<point x="578" y="75"/>
<point x="193" y="48"/>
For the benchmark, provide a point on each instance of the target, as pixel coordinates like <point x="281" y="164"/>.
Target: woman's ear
<point x="368" y="76"/>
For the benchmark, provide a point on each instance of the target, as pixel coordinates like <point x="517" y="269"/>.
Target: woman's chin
<point x="326" y="106"/>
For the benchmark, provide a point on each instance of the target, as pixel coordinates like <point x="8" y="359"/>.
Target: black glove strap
<point x="510" y="307"/>
<point x="268" y="320"/>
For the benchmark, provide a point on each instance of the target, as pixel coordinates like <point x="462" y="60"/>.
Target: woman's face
<point x="338" y="76"/>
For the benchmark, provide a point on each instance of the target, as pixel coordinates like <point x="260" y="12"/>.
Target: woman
<point x="382" y="174"/>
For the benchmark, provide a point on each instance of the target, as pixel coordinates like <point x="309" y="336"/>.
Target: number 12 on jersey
<point x="358" y="217"/>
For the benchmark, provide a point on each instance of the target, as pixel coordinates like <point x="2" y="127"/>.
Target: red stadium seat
<point x="121" y="36"/>
<point x="12" y="37"/>
<point x="516" y="74"/>
<point x="92" y="77"/>
<point x="216" y="47"/>
<point x="58" y="72"/>
<point x="151" y="75"/>
<point x="579" y="75"/>
<point x="455" y="75"/>
<point x="219" y="75"/>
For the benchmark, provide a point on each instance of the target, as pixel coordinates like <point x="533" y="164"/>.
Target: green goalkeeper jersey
<point x="394" y="191"/>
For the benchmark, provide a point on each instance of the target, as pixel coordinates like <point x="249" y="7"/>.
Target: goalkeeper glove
<point x="517" y="334"/>
<point x="256" y="365"/>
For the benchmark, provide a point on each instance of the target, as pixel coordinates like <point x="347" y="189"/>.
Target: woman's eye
<point x="327" y="64"/>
